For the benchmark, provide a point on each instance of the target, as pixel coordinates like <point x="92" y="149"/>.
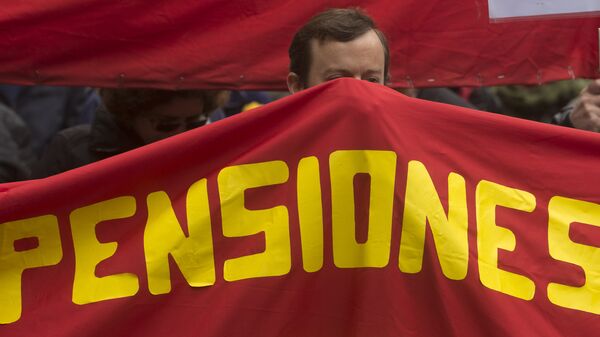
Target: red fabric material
<point x="345" y="114"/>
<point x="243" y="44"/>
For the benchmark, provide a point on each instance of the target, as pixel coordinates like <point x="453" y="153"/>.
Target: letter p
<point x="13" y="263"/>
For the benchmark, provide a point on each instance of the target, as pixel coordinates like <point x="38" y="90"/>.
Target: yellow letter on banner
<point x="87" y="288"/>
<point x="344" y="166"/>
<point x="562" y="212"/>
<point x="240" y="221"/>
<point x="422" y="204"/>
<point x="490" y="238"/>
<point x="310" y="213"/>
<point x="13" y="263"/>
<point x="163" y="236"/>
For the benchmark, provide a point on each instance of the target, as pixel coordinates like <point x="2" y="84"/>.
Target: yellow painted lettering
<point x="381" y="167"/>
<point x="12" y="263"/>
<point x="239" y="221"/>
<point x="422" y="205"/>
<point x="87" y="288"/>
<point x="562" y="212"/>
<point x="491" y="237"/>
<point x="310" y="213"/>
<point x="163" y="236"/>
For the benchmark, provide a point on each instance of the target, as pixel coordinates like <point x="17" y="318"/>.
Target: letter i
<point x="310" y="213"/>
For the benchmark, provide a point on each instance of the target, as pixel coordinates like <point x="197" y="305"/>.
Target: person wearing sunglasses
<point x="127" y="119"/>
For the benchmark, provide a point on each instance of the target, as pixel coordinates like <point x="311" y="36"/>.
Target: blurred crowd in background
<point x="46" y="130"/>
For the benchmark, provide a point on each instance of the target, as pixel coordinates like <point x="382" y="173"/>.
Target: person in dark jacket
<point x="16" y="154"/>
<point x="48" y="109"/>
<point x="127" y="119"/>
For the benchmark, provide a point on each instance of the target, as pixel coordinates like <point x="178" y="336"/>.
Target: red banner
<point x="243" y="44"/>
<point x="345" y="210"/>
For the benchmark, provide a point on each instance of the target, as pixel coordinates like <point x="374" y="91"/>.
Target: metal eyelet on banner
<point x="179" y="83"/>
<point x="410" y="82"/>
<point x="571" y="72"/>
<point x="37" y="76"/>
<point x="121" y="80"/>
<point x="480" y="79"/>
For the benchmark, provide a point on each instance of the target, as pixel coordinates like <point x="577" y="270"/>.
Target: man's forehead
<point x="330" y="53"/>
<point x="328" y="39"/>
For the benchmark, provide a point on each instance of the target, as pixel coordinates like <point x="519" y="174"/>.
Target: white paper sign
<point x="501" y="9"/>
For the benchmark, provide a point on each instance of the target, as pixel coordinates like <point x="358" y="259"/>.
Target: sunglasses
<point x="170" y="124"/>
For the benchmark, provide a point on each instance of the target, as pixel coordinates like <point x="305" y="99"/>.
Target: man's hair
<point x="125" y="104"/>
<point x="337" y="24"/>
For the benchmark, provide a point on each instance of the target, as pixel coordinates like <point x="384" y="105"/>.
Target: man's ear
<point x="293" y="83"/>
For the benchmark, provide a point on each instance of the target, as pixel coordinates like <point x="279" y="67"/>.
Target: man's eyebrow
<point x="337" y="71"/>
<point x="346" y="71"/>
<point x="374" y="71"/>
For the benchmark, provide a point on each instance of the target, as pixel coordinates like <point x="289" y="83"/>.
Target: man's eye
<point x="373" y="79"/>
<point x="333" y="77"/>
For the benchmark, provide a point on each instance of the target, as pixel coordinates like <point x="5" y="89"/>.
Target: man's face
<point x="362" y="58"/>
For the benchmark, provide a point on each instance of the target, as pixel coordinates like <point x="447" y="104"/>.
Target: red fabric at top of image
<point x="243" y="44"/>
